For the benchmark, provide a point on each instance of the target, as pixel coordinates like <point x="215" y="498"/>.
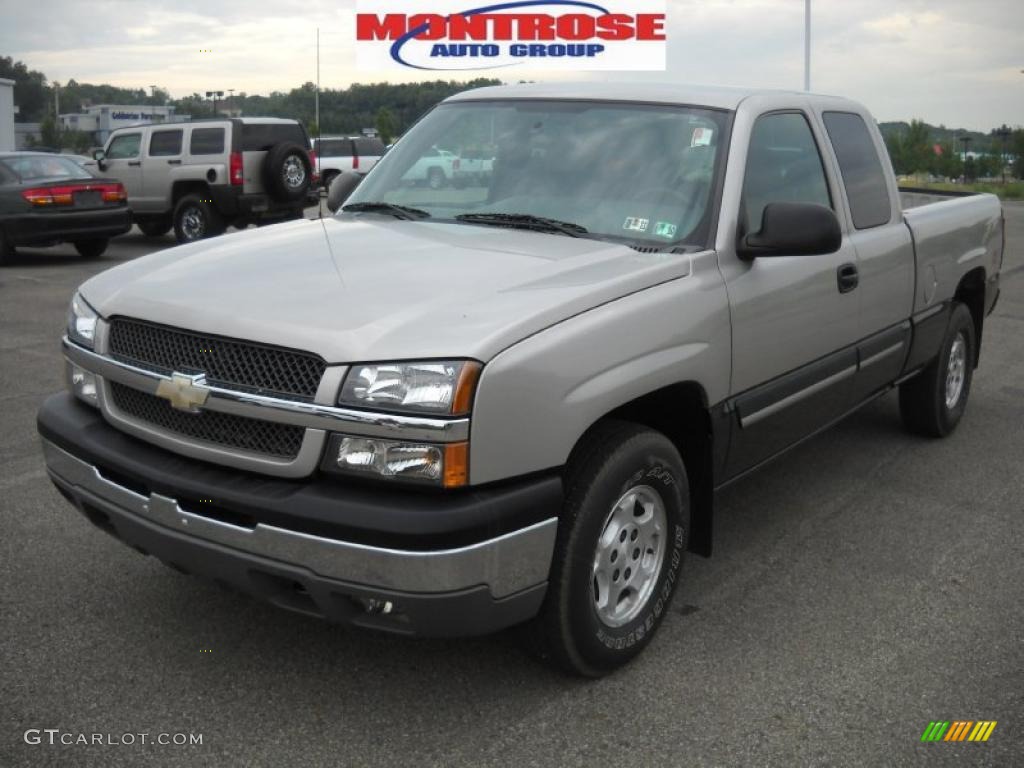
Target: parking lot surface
<point x="863" y="585"/>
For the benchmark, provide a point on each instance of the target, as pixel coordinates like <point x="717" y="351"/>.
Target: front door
<point x="124" y="163"/>
<point x="794" y="324"/>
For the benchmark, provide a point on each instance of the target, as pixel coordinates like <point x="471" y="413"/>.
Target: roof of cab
<point x="653" y="92"/>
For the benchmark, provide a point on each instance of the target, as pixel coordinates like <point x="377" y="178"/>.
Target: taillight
<point x="43" y="196"/>
<point x="235" y="168"/>
<point x="355" y="162"/>
<point x="113" y="193"/>
<point x="65" y="195"/>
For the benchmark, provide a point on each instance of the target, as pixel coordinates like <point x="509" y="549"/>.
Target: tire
<point x="195" y="218"/>
<point x="326" y="178"/>
<point x="91" y="249"/>
<point x="435" y="178"/>
<point x="287" y="172"/>
<point x="580" y="628"/>
<point x="933" y="402"/>
<point x="6" y="249"/>
<point x="154" y="227"/>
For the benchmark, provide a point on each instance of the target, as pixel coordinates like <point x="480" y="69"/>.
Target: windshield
<point x="39" y="167"/>
<point x="627" y="172"/>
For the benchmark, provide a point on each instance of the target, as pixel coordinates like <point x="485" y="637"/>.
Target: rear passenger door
<point x="162" y="156"/>
<point x="794" y="327"/>
<point x="885" y="253"/>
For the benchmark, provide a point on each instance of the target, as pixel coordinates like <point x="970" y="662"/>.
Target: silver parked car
<point x="200" y="177"/>
<point x="447" y="411"/>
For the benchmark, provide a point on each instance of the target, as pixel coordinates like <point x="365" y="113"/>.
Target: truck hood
<point x="364" y="288"/>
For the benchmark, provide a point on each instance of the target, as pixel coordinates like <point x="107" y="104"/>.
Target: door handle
<point x="134" y="162"/>
<point x="847" y="278"/>
<point x="174" y="162"/>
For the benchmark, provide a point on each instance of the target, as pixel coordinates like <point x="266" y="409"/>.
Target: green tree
<point x="49" y="133"/>
<point x="31" y="95"/>
<point x="385" y="124"/>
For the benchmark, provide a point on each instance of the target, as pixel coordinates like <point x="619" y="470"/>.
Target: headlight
<point x="444" y="465"/>
<point x="82" y="322"/>
<point x="444" y="387"/>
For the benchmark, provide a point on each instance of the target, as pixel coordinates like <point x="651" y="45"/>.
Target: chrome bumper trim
<point x="309" y="415"/>
<point x="506" y="564"/>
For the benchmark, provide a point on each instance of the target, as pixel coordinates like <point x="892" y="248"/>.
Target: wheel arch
<point x="970" y="291"/>
<point x="184" y="187"/>
<point x="681" y="413"/>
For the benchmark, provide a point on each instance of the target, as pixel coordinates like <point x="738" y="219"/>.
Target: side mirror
<point x="101" y="159"/>
<point x="793" y="229"/>
<point x="342" y="186"/>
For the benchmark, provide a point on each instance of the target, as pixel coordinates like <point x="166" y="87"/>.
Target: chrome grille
<point x="227" y="363"/>
<point x="223" y="429"/>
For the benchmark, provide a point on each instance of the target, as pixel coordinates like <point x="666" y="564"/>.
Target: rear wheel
<point x="621" y="539"/>
<point x="91" y="249"/>
<point x="933" y="402"/>
<point x="195" y="218"/>
<point x="157" y="226"/>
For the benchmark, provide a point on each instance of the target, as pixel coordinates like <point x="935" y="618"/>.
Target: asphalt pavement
<point x="864" y="585"/>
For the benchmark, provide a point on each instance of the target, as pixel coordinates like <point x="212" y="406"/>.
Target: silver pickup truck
<point x="448" y="411"/>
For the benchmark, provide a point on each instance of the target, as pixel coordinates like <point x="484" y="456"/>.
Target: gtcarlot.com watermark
<point x="56" y="736"/>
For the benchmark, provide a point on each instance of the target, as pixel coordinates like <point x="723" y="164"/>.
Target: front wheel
<point x="154" y="227"/>
<point x="91" y="249"/>
<point x="619" y="551"/>
<point x="195" y="218"/>
<point x="933" y="402"/>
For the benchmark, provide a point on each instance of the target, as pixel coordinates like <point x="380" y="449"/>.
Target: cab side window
<point x="125" y="146"/>
<point x="863" y="177"/>
<point x="783" y="166"/>
<point x="165" y="143"/>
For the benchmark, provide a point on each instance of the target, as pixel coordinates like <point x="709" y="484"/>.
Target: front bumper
<point x="67" y="226"/>
<point x="417" y="563"/>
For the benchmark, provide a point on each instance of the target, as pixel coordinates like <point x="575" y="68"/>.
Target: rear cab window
<point x="333" y="147"/>
<point x="206" y="141"/>
<point x="165" y="143"/>
<point x="861" y="169"/>
<point x="369" y="147"/>
<point x="260" y="137"/>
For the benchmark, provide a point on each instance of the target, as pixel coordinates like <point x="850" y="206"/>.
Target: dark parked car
<point x="48" y="199"/>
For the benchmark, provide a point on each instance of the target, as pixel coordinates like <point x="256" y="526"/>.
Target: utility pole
<point x="317" y="96"/>
<point x="965" y="140"/>
<point x="807" y="45"/>
<point x="1003" y="133"/>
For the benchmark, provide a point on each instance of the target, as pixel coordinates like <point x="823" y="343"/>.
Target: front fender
<point x="537" y="398"/>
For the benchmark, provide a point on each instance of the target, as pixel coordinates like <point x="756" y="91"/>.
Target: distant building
<point x="101" y="119"/>
<point x="6" y="115"/>
<point x="27" y="135"/>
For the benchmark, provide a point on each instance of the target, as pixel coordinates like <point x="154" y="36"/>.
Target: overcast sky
<point x="955" y="62"/>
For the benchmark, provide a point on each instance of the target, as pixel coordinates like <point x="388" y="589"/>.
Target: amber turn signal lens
<point x="456" y="465"/>
<point x="465" y="388"/>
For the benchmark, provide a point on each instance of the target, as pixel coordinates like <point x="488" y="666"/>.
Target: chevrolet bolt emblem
<point x="185" y="393"/>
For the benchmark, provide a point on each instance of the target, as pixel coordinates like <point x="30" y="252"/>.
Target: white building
<point x="6" y="115"/>
<point x="101" y="119"/>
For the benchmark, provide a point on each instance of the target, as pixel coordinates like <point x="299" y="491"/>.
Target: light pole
<point x="215" y="95"/>
<point x="807" y="45"/>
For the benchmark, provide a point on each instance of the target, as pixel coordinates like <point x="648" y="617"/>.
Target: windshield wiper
<point x="399" y="211"/>
<point x="524" y="221"/>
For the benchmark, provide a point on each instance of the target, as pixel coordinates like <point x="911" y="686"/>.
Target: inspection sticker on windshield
<point x="701" y="137"/>
<point x="665" y="229"/>
<point x="633" y="224"/>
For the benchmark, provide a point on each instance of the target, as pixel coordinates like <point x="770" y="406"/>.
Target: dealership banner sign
<point x="532" y="34"/>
